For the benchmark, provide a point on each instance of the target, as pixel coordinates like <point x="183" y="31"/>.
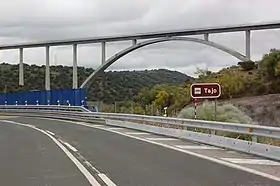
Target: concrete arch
<point x="126" y="51"/>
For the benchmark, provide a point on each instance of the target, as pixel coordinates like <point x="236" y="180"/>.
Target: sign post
<point x="215" y="114"/>
<point x="206" y="91"/>
<point x="195" y="105"/>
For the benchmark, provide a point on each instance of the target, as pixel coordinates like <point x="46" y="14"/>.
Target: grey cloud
<point x="52" y="19"/>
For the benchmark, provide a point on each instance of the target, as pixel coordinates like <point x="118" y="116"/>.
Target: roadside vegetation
<point x="240" y="80"/>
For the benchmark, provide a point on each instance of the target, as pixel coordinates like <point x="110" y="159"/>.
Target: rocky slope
<point x="264" y="110"/>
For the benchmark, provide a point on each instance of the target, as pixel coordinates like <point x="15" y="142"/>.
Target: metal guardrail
<point x="44" y="107"/>
<point x="81" y="112"/>
<point x="175" y="127"/>
<point x="250" y="129"/>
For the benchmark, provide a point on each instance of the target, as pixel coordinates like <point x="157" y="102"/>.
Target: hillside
<point x="252" y="86"/>
<point x="109" y="87"/>
<point x="264" y="110"/>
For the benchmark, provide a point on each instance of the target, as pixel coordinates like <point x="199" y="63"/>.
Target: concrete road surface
<point x="30" y="158"/>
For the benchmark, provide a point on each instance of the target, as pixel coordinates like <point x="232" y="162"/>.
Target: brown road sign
<point x="205" y="90"/>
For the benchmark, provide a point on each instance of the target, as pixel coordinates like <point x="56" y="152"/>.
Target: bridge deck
<point x="185" y="32"/>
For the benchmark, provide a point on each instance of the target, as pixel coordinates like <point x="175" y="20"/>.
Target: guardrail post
<point x="134" y="42"/>
<point x="254" y="139"/>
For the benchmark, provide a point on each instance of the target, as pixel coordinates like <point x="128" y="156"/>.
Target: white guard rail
<point x="176" y="127"/>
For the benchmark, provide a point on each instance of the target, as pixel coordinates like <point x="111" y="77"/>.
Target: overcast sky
<point x="37" y="20"/>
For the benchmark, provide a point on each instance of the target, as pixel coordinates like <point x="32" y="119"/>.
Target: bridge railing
<point x="209" y="132"/>
<point x="16" y="108"/>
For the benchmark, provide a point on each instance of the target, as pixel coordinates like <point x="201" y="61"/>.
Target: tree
<point x="202" y="72"/>
<point x="161" y="99"/>
<point x="269" y="65"/>
<point x="108" y="87"/>
<point x="248" y="65"/>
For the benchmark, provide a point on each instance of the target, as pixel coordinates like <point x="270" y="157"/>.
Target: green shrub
<point x="225" y="113"/>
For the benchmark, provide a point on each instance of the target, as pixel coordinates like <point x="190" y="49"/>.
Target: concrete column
<point x="21" y="76"/>
<point x="103" y="52"/>
<point x="47" y="75"/>
<point x="248" y="44"/>
<point x="75" y="73"/>
<point x="206" y="37"/>
<point x="134" y="42"/>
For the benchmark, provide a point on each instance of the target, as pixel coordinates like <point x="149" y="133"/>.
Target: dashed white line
<point x="85" y="123"/>
<point x="51" y="133"/>
<point x="220" y="161"/>
<point x="161" y="139"/>
<point x="106" y="180"/>
<point x="251" y="161"/>
<point x="70" y="147"/>
<point x="197" y="147"/>
<point x="98" y="125"/>
<point x="137" y="133"/>
<point x="115" y="128"/>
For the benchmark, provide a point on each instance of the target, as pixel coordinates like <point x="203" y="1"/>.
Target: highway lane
<point x="30" y="158"/>
<point x="128" y="161"/>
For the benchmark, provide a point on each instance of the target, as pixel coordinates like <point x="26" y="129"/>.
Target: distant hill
<point x="108" y="87"/>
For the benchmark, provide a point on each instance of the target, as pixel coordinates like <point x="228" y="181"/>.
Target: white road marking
<point x="70" y="146"/>
<point x="86" y="123"/>
<point x="251" y="161"/>
<point x="115" y="128"/>
<point x="137" y="133"/>
<point x="51" y="133"/>
<point x="90" y="165"/>
<point x="228" y="164"/>
<point x="161" y="139"/>
<point x="98" y="125"/>
<point x="83" y="170"/>
<point x="222" y="162"/>
<point x="106" y="180"/>
<point x="197" y="147"/>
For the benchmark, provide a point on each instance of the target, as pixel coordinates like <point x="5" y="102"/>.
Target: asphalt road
<point x="126" y="161"/>
<point x="30" y="158"/>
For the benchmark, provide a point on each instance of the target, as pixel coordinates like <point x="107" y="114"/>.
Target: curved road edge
<point x="215" y="160"/>
<point x="91" y="179"/>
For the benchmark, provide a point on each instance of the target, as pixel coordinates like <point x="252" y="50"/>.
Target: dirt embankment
<point x="264" y="110"/>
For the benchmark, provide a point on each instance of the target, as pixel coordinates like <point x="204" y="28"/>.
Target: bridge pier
<point x="75" y="76"/>
<point x="103" y="52"/>
<point x="47" y="75"/>
<point x="21" y="75"/>
<point x="248" y="44"/>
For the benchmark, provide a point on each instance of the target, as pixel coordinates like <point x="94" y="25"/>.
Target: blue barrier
<point x="74" y="97"/>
